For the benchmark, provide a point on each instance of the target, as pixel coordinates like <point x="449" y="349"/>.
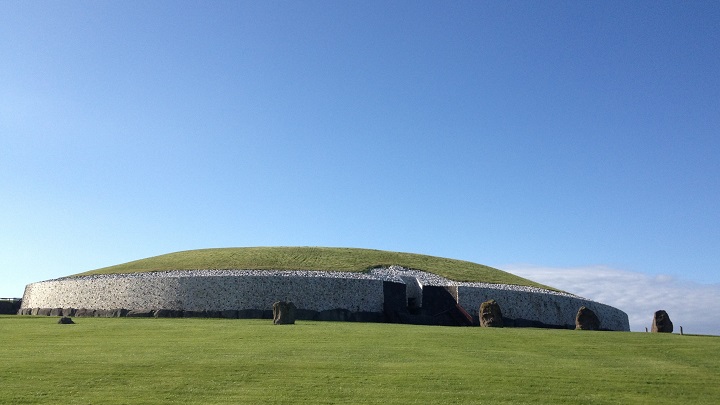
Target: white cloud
<point x="689" y="304"/>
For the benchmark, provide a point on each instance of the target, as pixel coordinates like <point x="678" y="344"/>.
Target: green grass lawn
<point x="208" y="361"/>
<point x="315" y="258"/>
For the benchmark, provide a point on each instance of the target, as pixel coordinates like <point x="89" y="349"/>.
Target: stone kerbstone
<point x="106" y="313"/>
<point x="283" y="313"/>
<point x="334" y="315"/>
<point x="167" y="313"/>
<point x="251" y="314"/>
<point x="85" y="312"/>
<point x="586" y="319"/>
<point x="490" y="314"/>
<point x="661" y="322"/>
<point x="140" y="313"/>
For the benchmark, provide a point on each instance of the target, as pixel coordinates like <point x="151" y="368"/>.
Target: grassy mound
<point x="317" y="259"/>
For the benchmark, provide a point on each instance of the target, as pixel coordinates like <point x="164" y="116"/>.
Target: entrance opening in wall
<point x="413" y="292"/>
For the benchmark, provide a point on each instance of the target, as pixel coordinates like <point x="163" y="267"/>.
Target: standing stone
<point x="661" y="322"/>
<point x="490" y="314"/>
<point x="283" y="313"/>
<point x="586" y="319"/>
<point x="65" y="320"/>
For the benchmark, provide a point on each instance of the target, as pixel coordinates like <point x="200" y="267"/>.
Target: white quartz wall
<point x="206" y="293"/>
<point x="211" y="291"/>
<point x="548" y="308"/>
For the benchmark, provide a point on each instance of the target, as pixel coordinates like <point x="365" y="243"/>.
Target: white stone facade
<point x="551" y="309"/>
<point x="316" y="291"/>
<point x="210" y="293"/>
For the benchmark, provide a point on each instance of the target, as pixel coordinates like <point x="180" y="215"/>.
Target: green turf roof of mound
<point x="317" y="259"/>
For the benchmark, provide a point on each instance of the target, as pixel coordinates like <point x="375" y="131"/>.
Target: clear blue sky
<point x="548" y="134"/>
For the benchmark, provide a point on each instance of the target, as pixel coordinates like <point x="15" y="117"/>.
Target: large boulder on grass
<point x="490" y="314"/>
<point x="283" y="313"/>
<point x="586" y="319"/>
<point x="65" y="320"/>
<point x="661" y="322"/>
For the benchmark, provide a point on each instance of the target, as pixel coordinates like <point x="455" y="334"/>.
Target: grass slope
<point x="216" y="361"/>
<point x="314" y="258"/>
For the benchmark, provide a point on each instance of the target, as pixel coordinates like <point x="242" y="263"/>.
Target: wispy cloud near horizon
<point x="689" y="304"/>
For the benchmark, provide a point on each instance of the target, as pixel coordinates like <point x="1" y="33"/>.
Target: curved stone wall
<point x="207" y="293"/>
<point x="216" y="291"/>
<point x="535" y="308"/>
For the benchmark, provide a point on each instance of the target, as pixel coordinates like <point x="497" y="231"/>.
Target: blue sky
<point x="562" y="136"/>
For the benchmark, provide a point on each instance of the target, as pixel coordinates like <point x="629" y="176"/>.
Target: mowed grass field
<point x="220" y="361"/>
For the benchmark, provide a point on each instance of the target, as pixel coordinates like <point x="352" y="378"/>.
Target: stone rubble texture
<point x="222" y="290"/>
